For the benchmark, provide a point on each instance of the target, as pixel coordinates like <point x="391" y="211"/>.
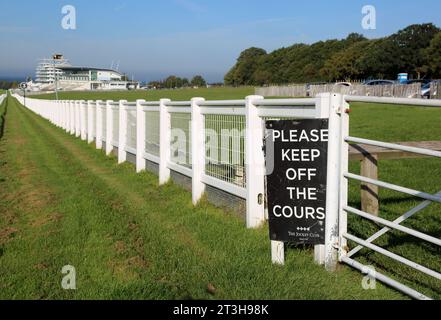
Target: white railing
<point x="2" y="98"/>
<point x="223" y="145"/>
<point x="223" y="139"/>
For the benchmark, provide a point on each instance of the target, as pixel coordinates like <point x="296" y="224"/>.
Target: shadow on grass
<point x="3" y="112"/>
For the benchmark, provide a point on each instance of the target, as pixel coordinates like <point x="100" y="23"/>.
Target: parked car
<point x="426" y="90"/>
<point x="422" y="81"/>
<point x="308" y="87"/>
<point x="344" y="84"/>
<point x="378" y="82"/>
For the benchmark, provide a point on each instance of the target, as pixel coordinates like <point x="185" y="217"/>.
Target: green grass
<point x="63" y="202"/>
<point x="226" y="93"/>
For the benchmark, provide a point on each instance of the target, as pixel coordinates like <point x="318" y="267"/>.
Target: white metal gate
<point x="344" y="254"/>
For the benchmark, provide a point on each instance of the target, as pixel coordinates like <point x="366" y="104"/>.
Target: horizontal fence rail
<point x="396" y="101"/>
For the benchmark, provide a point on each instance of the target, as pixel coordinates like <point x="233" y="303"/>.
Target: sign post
<point x="297" y="158"/>
<point x="24" y="86"/>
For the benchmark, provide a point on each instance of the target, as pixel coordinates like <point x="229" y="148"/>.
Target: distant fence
<point x="435" y="91"/>
<point x="395" y="90"/>
<point x="283" y="91"/>
<point x="2" y="98"/>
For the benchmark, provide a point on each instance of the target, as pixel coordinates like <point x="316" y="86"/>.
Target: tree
<point x="198" y="81"/>
<point x="247" y="63"/>
<point x="410" y="44"/>
<point x="344" y="64"/>
<point x="185" y="82"/>
<point x="433" y="57"/>
<point x="353" y="57"/>
<point x="172" y="82"/>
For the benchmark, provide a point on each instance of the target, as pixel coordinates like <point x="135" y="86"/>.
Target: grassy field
<point x="63" y="202"/>
<point x="154" y="95"/>
<point x="83" y="193"/>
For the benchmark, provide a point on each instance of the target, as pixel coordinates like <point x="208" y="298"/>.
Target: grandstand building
<point x="58" y="74"/>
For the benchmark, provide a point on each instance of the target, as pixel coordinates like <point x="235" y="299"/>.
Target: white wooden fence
<point x="435" y="90"/>
<point x="391" y="91"/>
<point x="295" y="90"/>
<point x="395" y="90"/>
<point x="148" y="130"/>
<point x="2" y="98"/>
<point x="145" y="129"/>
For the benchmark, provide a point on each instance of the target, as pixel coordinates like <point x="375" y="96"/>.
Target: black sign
<point x="296" y="159"/>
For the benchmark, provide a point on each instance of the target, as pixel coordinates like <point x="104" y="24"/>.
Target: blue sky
<point x="155" y="38"/>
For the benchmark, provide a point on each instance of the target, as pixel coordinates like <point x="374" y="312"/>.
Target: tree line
<point x="415" y="50"/>
<point x="6" y="85"/>
<point x="173" y="82"/>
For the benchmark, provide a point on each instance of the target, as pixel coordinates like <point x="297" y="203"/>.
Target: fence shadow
<point x="3" y="112"/>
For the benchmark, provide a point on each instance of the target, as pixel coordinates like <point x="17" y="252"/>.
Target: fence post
<point x="344" y="185"/>
<point x="322" y="106"/>
<point x="334" y="177"/>
<point x="72" y="117"/>
<point x="164" y="142"/>
<point x="369" y="192"/>
<point x="77" y="119"/>
<point x="66" y="116"/>
<point x="59" y="117"/>
<point x="99" y="125"/>
<point x="90" y="126"/>
<point x="255" y="165"/>
<point x="63" y="103"/>
<point x="197" y="149"/>
<point x="54" y="112"/>
<point x="140" y="136"/>
<point x="278" y="252"/>
<point x="50" y="111"/>
<point x="57" y="113"/>
<point x="122" y="134"/>
<point x="109" y="127"/>
<point x="83" y="120"/>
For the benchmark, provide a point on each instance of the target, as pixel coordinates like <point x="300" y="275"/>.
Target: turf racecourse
<point x="63" y="202"/>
